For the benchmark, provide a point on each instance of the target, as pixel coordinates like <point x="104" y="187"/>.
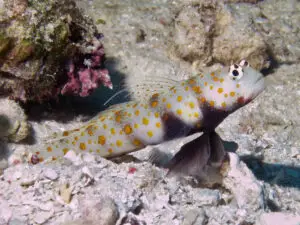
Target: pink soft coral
<point x="86" y="73"/>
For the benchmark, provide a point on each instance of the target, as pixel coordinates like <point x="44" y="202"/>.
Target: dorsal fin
<point x="142" y="88"/>
<point x="152" y="76"/>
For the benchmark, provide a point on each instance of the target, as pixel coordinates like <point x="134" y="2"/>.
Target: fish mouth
<point x="259" y="86"/>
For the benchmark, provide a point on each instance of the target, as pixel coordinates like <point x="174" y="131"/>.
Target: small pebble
<point x="105" y="211"/>
<point x="41" y="217"/>
<point x="278" y="218"/>
<point x="50" y="174"/>
<point x="195" y="217"/>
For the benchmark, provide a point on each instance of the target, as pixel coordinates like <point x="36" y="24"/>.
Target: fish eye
<point x="244" y="63"/>
<point x="235" y="72"/>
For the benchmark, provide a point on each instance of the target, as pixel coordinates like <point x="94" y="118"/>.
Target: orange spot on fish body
<point x="150" y="133"/>
<point x="82" y="146"/>
<point x="102" y="118"/>
<point x="65" y="150"/>
<point x="118" y="117"/>
<point x="216" y="79"/>
<point x="113" y="131"/>
<point x="197" y="89"/>
<point x="192" y="81"/>
<point x="192" y="105"/>
<point x="119" y="143"/>
<point x="101" y="140"/>
<point x="90" y="132"/>
<point x="145" y="121"/>
<point x="179" y="111"/>
<point x="137" y="142"/>
<point x="154" y="104"/>
<point x="127" y="129"/>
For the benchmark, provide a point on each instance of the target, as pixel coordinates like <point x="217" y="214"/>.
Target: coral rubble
<point x="38" y="39"/>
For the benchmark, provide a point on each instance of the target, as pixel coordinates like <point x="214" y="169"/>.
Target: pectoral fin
<point x="217" y="150"/>
<point x="200" y="158"/>
<point x="192" y="158"/>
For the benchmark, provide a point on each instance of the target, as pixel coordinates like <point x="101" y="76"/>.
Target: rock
<point x="194" y="27"/>
<point x="278" y="23"/>
<point x="41" y="217"/>
<point x="278" y="218"/>
<point x="50" y="174"/>
<point x="16" y="222"/>
<point x="14" y="126"/>
<point x="204" y="34"/>
<point x="241" y="182"/>
<point x="104" y="211"/>
<point x="195" y="217"/>
<point x="242" y="1"/>
<point x="236" y="38"/>
<point x="39" y="40"/>
<point x="5" y="212"/>
<point x="270" y="122"/>
<point x="3" y="163"/>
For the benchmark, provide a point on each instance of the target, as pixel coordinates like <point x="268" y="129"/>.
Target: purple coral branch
<point x="85" y="74"/>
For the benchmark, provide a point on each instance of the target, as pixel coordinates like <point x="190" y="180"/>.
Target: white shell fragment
<point x="50" y="174"/>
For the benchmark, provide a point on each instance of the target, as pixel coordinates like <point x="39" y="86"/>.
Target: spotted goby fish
<point x="178" y="109"/>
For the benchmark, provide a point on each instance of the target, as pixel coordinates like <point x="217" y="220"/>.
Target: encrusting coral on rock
<point x="85" y="73"/>
<point x="42" y="44"/>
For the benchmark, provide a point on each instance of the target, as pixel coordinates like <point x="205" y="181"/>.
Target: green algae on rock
<point x="38" y="39"/>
